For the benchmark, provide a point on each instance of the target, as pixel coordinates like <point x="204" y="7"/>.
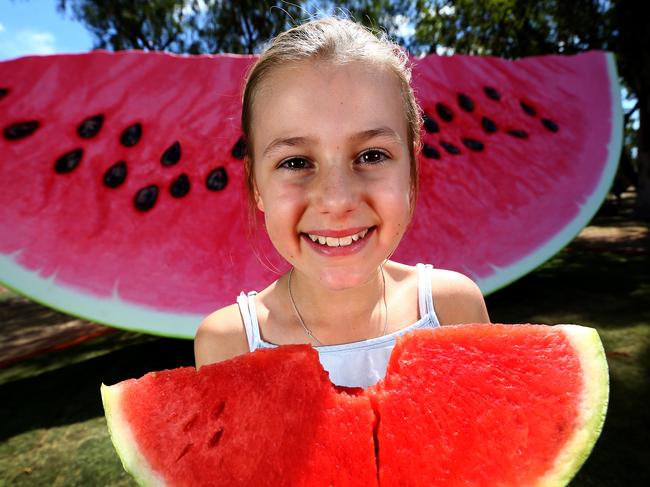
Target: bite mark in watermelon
<point x="498" y="405"/>
<point x="121" y="180"/>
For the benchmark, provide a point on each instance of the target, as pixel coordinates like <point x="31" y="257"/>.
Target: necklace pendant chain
<point x="308" y="331"/>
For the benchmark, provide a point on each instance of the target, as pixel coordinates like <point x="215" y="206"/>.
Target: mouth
<point x="340" y="241"/>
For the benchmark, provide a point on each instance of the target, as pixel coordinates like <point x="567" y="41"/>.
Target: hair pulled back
<point x="339" y="41"/>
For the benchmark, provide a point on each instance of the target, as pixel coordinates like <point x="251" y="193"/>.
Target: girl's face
<point x="331" y="168"/>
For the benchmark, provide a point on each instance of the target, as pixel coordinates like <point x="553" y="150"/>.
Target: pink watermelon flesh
<point x="506" y="405"/>
<point x="121" y="181"/>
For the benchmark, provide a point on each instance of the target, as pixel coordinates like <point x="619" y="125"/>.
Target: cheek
<point x="399" y="192"/>
<point x="282" y="211"/>
<point x="397" y="205"/>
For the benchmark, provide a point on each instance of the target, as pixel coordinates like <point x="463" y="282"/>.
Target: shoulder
<point x="457" y="299"/>
<point x="220" y="336"/>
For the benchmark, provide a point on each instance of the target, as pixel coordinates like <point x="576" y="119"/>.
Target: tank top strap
<point x="246" y="305"/>
<point x="425" y="297"/>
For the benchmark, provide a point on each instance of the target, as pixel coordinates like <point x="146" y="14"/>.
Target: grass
<point x="53" y="431"/>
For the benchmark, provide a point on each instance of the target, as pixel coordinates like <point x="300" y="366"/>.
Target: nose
<point x="337" y="190"/>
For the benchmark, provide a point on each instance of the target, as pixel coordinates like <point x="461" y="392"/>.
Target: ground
<point x="53" y="430"/>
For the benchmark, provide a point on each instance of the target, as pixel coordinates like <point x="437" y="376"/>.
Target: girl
<point x="333" y="133"/>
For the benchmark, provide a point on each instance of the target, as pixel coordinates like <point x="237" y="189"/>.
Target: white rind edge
<point x="589" y="349"/>
<point x="502" y="276"/>
<point x="132" y="460"/>
<point x="111" y="311"/>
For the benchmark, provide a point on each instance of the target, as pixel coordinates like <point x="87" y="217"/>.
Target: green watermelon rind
<point x="111" y="311"/>
<point x="589" y="349"/>
<point x="503" y="276"/>
<point x="132" y="459"/>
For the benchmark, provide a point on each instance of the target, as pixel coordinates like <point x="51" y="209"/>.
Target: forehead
<point x="319" y="99"/>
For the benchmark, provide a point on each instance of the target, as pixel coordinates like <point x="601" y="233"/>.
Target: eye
<point x="294" y="164"/>
<point x="373" y="156"/>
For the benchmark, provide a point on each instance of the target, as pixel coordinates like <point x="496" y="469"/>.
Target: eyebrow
<point x="282" y="142"/>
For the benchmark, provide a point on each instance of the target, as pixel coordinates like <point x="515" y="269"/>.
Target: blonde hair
<point x="340" y="41"/>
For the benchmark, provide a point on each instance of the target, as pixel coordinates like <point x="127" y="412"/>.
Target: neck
<point x="339" y="316"/>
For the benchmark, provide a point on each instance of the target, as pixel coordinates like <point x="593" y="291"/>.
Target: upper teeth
<point x="338" y="242"/>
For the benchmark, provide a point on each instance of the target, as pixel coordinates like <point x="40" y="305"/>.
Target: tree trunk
<point x="643" y="183"/>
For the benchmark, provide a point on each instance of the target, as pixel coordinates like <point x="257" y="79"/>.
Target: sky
<point x="35" y="27"/>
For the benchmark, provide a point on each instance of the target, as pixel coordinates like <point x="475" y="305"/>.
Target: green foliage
<point x="184" y="26"/>
<point x="513" y="28"/>
<point x="214" y="26"/>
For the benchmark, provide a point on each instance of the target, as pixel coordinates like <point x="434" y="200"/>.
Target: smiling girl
<point x="333" y="133"/>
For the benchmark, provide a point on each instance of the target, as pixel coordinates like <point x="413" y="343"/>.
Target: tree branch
<point x="629" y="114"/>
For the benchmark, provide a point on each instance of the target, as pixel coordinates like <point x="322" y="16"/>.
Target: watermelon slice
<point x="263" y="419"/>
<point x="121" y="180"/>
<point x="461" y="405"/>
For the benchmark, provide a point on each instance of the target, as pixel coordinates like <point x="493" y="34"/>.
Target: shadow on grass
<point x="70" y="393"/>
<point x="588" y="288"/>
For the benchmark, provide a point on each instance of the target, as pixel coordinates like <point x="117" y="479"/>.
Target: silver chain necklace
<point x="308" y="331"/>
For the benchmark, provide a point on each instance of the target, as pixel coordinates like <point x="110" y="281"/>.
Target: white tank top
<point x="355" y="364"/>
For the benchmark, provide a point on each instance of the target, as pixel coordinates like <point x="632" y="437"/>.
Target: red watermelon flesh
<point x="121" y="179"/>
<point x="471" y="405"/>
<point x="268" y="418"/>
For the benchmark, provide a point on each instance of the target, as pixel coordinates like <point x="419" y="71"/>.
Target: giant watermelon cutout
<point x="121" y="192"/>
<point x="466" y="405"/>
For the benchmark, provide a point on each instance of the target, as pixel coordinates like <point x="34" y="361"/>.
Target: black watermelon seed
<point x="473" y="144"/>
<point x="68" y="161"/>
<point x="465" y="102"/>
<point x="171" y="155"/>
<point x="550" y="125"/>
<point x="115" y="175"/>
<point x="20" y="130"/>
<point x="520" y="134"/>
<point x="90" y="127"/>
<point x="216" y="438"/>
<point x="239" y="149"/>
<point x="131" y="135"/>
<point x="180" y="187"/>
<point x="3" y="92"/>
<point x="217" y="179"/>
<point x="527" y="108"/>
<point x="184" y="451"/>
<point x="492" y="93"/>
<point x="430" y="152"/>
<point x="451" y="148"/>
<point x="430" y="125"/>
<point x="444" y="112"/>
<point x="145" y="199"/>
<point x="488" y="125"/>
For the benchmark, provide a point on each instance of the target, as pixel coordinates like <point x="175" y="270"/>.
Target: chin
<point x="343" y="278"/>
